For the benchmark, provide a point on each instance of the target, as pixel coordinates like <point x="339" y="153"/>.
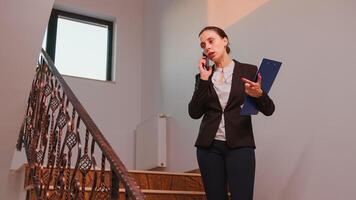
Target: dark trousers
<point x="223" y="168"/>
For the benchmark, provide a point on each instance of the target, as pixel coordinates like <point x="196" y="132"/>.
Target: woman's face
<point x="213" y="45"/>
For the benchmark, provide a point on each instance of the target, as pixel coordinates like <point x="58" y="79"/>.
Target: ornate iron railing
<point x="59" y="139"/>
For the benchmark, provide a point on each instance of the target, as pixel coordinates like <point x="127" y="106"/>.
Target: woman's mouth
<point x="211" y="55"/>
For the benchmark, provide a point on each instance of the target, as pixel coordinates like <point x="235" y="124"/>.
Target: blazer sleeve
<point x="196" y="106"/>
<point x="265" y="104"/>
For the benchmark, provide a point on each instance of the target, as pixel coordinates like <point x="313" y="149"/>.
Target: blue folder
<point x="269" y="70"/>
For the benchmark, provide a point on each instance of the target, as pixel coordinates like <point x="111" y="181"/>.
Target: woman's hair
<point x="218" y="31"/>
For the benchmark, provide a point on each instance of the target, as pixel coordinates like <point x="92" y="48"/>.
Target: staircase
<point x="69" y="158"/>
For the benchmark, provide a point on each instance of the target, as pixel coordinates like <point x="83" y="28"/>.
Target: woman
<point x="225" y="143"/>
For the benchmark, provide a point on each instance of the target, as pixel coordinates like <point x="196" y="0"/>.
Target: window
<point x="80" y="46"/>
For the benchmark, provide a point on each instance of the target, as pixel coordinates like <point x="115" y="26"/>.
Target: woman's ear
<point x="226" y="41"/>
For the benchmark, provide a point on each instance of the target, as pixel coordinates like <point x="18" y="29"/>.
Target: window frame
<point x="52" y="35"/>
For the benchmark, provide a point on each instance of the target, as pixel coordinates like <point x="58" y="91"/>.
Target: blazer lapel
<point x="213" y="92"/>
<point x="234" y="82"/>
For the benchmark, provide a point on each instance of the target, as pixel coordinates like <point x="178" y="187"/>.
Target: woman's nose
<point x="207" y="48"/>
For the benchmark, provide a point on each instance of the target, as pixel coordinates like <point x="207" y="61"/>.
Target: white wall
<point x="22" y="25"/>
<point x="115" y="106"/>
<point x="150" y="83"/>
<point x="170" y="53"/>
<point x="306" y="149"/>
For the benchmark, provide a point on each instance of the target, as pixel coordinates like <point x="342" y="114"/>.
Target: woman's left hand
<point x="253" y="89"/>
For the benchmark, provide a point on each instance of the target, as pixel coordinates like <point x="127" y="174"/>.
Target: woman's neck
<point x="224" y="61"/>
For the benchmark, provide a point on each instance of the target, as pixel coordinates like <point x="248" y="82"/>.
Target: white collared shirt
<point x="222" y="86"/>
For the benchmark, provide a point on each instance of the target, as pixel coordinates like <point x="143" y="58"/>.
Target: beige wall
<point x="306" y="149"/>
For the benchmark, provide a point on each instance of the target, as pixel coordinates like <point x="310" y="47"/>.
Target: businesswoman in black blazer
<point x="225" y="143"/>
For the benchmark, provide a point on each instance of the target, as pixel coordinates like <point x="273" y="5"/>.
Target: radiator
<point x="151" y="143"/>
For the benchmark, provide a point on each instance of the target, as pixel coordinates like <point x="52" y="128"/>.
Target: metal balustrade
<point x="60" y="140"/>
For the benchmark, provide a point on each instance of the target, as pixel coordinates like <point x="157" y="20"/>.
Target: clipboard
<point x="269" y="70"/>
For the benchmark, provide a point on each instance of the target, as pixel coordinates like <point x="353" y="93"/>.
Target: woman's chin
<point x="214" y="59"/>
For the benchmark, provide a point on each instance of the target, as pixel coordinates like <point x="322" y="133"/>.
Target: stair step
<point x="149" y="194"/>
<point x="167" y="180"/>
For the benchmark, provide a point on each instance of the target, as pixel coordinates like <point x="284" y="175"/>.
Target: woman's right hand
<point x="204" y="73"/>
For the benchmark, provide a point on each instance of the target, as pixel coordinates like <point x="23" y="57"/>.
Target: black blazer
<point x="238" y="128"/>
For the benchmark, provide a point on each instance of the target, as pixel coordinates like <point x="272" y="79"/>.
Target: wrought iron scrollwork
<point x="54" y="126"/>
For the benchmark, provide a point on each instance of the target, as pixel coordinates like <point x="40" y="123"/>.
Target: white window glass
<point x="81" y="49"/>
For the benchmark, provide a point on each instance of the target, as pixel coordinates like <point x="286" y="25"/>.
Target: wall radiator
<point x="151" y="143"/>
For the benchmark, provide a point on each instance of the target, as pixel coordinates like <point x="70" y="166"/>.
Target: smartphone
<point x="207" y="63"/>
